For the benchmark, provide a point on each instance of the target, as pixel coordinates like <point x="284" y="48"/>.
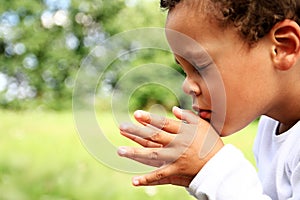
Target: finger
<point x="147" y="132"/>
<point x="151" y="154"/>
<point x="186" y="115"/>
<point x="174" y="180"/>
<point x="166" y="124"/>
<point x="153" y="163"/>
<point x="159" y="176"/>
<point x="141" y="141"/>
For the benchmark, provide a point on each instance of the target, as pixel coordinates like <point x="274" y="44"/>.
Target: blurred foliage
<point x="45" y="160"/>
<point x="43" y="42"/>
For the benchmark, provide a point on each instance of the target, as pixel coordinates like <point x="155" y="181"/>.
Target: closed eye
<point x="200" y="69"/>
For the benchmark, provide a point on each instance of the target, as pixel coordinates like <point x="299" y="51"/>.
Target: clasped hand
<point x="179" y="148"/>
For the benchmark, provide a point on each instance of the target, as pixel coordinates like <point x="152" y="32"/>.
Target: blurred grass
<point x="41" y="157"/>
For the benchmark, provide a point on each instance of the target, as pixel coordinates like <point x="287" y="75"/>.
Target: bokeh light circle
<point x="89" y="86"/>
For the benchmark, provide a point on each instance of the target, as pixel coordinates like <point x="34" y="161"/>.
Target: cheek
<point x="232" y="104"/>
<point x="214" y="86"/>
<point x="241" y="109"/>
<point x="245" y="82"/>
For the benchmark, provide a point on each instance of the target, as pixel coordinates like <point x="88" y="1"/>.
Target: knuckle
<point x="153" y="155"/>
<point x="148" y="143"/>
<point x="183" y="164"/>
<point x="148" y="118"/>
<point x="159" y="175"/>
<point x="135" y="153"/>
<point x="132" y="153"/>
<point x="166" y="123"/>
<point x="161" y="122"/>
<point x="156" y="136"/>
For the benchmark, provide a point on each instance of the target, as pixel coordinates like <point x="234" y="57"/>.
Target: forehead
<point x="188" y="30"/>
<point x="194" y="21"/>
<point x="187" y="14"/>
<point x="186" y="47"/>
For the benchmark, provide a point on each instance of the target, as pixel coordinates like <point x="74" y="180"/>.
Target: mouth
<point x="203" y="113"/>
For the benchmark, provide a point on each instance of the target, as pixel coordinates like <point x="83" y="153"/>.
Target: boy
<point x="255" y="46"/>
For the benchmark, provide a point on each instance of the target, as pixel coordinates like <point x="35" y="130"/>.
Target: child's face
<point x="245" y="72"/>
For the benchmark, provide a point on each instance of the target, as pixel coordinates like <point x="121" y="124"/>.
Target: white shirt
<point x="230" y="176"/>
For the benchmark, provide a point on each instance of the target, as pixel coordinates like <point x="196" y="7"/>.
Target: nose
<point x="190" y="87"/>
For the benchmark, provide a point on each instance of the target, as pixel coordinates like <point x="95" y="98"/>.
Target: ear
<point x="286" y="44"/>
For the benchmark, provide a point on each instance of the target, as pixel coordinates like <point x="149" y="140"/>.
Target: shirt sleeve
<point x="228" y="175"/>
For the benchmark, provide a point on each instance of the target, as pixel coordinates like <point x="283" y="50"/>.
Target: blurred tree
<point x="42" y="43"/>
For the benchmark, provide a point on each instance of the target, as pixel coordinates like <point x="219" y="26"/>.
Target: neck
<point x="287" y="110"/>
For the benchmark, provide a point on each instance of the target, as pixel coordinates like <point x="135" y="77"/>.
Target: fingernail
<point x="135" y="181"/>
<point x="122" y="151"/>
<point x="176" y="108"/>
<point x="123" y="126"/>
<point x="139" y="113"/>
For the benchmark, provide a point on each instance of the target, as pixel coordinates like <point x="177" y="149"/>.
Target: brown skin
<point x="181" y="145"/>
<point x="263" y="79"/>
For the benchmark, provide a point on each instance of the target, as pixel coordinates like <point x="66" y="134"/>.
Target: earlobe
<point x="286" y="39"/>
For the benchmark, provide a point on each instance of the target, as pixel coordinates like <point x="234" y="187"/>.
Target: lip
<point x="203" y="113"/>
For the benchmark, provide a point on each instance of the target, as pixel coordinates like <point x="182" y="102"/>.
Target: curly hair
<point x="253" y="18"/>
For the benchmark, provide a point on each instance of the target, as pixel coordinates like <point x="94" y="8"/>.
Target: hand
<point x="180" y="148"/>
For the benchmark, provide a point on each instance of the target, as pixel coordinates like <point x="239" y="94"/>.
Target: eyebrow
<point x="196" y="58"/>
<point x="194" y="64"/>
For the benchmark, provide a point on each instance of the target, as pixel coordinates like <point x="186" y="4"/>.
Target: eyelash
<point x="198" y="69"/>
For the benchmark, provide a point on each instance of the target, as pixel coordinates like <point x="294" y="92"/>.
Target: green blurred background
<point x="42" y="44"/>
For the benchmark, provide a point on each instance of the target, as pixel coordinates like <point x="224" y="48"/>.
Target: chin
<point x="225" y="130"/>
<point x="229" y="130"/>
<point x="226" y="126"/>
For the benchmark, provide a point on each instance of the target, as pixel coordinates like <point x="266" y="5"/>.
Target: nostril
<point x="189" y="89"/>
<point x="192" y="93"/>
